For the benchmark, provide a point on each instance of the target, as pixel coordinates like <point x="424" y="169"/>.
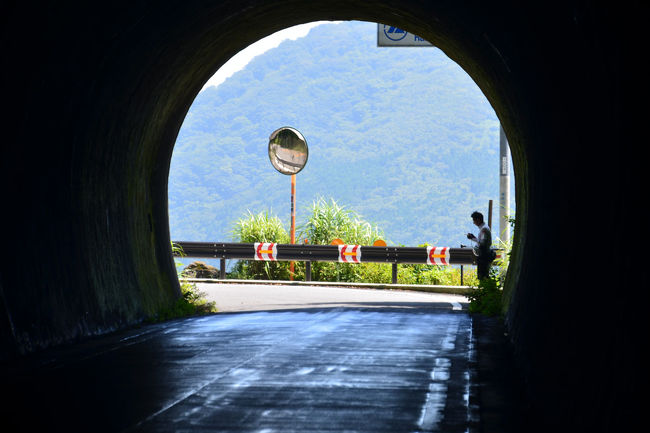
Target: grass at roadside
<point x="192" y="301"/>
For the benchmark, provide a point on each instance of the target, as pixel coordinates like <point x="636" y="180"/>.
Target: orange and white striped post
<point x="293" y="220"/>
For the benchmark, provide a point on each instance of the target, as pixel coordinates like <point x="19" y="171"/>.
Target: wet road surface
<point x="342" y="369"/>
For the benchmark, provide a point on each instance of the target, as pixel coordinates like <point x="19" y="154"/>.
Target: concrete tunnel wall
<point x="95" y="94"/>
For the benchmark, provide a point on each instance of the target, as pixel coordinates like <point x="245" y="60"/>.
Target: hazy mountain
<point x="401" y="135"/>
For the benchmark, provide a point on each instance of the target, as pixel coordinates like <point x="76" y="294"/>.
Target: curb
<point x="454" y="290"/>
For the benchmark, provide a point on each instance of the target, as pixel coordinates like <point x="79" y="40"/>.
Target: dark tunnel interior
<point x="95" y="95"/>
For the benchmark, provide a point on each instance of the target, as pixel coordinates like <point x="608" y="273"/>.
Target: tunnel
<point x="95" y="94"/>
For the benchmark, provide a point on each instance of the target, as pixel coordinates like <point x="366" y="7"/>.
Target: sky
<point x="241" y="59"/>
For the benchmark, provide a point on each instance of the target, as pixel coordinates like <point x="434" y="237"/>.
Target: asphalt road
<point x="372" y="364"/>
<point x="262" y="297"/>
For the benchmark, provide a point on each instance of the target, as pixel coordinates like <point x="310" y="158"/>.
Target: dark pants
<point x="483" y="268"/>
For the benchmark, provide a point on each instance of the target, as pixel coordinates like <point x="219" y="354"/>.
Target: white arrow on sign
<point x="391" y="36"/>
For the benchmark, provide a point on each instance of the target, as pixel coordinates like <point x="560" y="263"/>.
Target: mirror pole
<point x="293" y="220"/>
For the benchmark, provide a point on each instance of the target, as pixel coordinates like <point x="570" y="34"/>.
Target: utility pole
<point x="504" y="186"/>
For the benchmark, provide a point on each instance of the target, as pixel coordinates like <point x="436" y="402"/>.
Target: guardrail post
<point x="461" y="269"/>
<point x="395" y="273"/>
<point x="308" y="271"/>
<point x="222" y="269"/>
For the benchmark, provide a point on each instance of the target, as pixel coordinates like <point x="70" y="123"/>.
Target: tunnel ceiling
<point x="95" y="94"/>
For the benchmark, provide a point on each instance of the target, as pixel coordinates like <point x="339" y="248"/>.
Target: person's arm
<point x="485" y="239"/>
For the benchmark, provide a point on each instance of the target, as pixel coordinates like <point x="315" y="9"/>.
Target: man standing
<point x="483" y="250"/>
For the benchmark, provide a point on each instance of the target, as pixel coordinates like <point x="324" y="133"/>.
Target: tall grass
<point x="329" y="220"/>
<point x="261" y="227"/>
<point x="191" y="303"/>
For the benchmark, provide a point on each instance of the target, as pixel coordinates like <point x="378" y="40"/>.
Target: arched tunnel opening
<point x="400" y="134"/>
<point x="96" y="97"/>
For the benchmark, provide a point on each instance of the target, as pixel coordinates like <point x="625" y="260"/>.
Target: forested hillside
<point x="401" y="135"/>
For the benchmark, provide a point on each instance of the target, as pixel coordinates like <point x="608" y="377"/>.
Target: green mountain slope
<point x="401" y="135"/>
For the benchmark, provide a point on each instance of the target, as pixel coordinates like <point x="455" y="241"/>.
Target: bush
<point x="192" y="301"/>
<point x="329" y="221"/>
<point x="260" y="228"/>
<point x="486" y="299"/>
<point x="379" y="273"/>
<point x="334" y="271"/>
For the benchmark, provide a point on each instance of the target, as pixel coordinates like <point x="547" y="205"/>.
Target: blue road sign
<point x="391" y="36"/>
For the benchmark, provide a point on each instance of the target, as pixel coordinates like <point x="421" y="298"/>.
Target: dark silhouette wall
<point x="95" y="93"/>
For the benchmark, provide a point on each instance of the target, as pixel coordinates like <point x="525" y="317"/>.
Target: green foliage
<point x="192" y="301"/>
<point x="196" y="299"/>
<point x="181" y="308"/>
<point x="261" y="227"/>
<point x="329" y="220"/>
<point x="500" y="265"/>
<point x="379" y="273"/>
<point x="430" y="275"/>
<point x="409" y="274"/>
<point x="486" y="298"/>
<point x="416" y="274"/>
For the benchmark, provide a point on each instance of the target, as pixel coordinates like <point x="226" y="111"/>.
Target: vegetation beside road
<point x="329" y="220"/>
<point x="192" y="301"/>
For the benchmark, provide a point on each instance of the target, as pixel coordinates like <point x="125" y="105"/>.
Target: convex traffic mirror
<point x="288" y="150"/>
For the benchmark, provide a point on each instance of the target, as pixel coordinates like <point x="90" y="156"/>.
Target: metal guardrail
<point x="327" y="253"/>
<point x="324" y="253"/>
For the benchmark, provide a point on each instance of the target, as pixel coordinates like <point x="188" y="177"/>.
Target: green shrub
<point x="379" y="273"/>
<point x="502" y="264"/>
<point x="486" y="298"/>
<point x="191" y="302"/>
<point x="260" y="228"/>
<point x="329" y="220"/>
<point x="334" y="271"/>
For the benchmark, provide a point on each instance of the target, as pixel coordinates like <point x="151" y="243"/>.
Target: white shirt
<point x="484" y="236"/>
